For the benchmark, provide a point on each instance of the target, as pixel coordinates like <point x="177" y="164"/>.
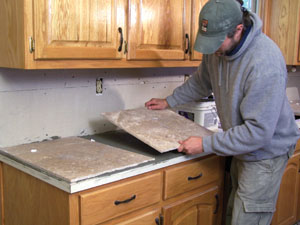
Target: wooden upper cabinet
<point x="78" y="29"/>
<point x="281" y="20"/>
<point x="196" y="8"/>
<point x="55" y="34"/>
<point x="158" y="29"/>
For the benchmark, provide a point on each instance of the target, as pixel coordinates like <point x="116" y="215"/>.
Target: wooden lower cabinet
<point x="288" y="203"/>
<point x="139" y="200"/>
<point x="199" y="209"/>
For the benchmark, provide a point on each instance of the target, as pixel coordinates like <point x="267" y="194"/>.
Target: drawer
<point x="99" y="206"/>
<point x="181" y="179"/>
<point x="141" y="217"/>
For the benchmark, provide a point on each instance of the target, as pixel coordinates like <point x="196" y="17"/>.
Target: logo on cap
<point x="204" y="25"/>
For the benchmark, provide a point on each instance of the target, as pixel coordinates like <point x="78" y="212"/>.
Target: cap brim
<point x="208" y="44"/>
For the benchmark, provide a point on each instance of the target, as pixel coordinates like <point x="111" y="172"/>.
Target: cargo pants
<point x="255" y="187"/>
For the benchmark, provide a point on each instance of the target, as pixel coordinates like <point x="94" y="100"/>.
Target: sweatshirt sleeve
<point x="260" y="108"/>
<point x="195" y="88"/>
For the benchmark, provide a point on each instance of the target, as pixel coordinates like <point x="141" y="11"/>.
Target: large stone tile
<point x="73" y="159"/>
<point x="161" y="129"/>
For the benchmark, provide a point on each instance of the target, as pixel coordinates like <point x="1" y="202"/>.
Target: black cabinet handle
<point x="217" y="205"/>
<point x="157" y="221"/>
<point x="121" y="39"/>
<point x="188" y="44"/>
<point x="125" y="201"/>
<point x="196" y="177"/>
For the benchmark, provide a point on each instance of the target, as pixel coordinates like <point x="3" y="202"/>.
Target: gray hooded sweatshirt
<point x="249" y="89"/>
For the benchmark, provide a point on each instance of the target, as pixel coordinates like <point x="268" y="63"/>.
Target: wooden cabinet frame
<point x="18" y="29"/>
<point x="27" y="200"/>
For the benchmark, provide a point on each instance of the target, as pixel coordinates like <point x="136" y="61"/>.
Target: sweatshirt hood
<point x="224" y="60"/>
<point x="255" y="30"/>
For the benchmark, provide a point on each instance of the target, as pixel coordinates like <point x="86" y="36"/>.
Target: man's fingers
<point x="181" y="147"/>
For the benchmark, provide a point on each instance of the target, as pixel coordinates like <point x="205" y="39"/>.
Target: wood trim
<point x="74" y="217"/>
<point x="1" y="196"/>
<point x="123" y="63"/>
<point x="298" y="206"/>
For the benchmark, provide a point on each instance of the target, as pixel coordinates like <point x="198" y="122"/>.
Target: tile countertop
<point x="295" y="105"/>
<point x="150" y="160"/>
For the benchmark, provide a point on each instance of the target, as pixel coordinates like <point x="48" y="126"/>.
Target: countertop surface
<point x="73" y="159"/>
<point x="79" y="163"/>
<point x="295" y="105"/>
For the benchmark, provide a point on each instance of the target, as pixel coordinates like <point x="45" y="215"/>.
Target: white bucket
<point x="203" y="113"/>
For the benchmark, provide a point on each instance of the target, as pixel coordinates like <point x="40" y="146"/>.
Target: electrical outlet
<point x="99" y="86"/>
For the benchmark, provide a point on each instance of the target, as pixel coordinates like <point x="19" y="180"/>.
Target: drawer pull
<point x="125" y="201"/>
<point x="196" y="177"/>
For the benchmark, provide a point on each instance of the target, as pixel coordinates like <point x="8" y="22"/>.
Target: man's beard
<point x="232" y="45"/>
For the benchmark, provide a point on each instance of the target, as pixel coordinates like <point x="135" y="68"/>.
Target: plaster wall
<point x="43" y="104"/>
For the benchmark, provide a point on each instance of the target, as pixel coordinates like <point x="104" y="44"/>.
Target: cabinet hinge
<point x="125" y="47"/>
<point x="31" y="45"/>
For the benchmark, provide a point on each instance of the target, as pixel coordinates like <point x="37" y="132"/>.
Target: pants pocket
<point x="254" y="207"/>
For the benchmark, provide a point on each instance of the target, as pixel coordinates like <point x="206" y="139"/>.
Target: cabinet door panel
<point x="286" y="208"/>
<point x="281" y="24"/>
<point x="157" y="29"/>
<point x="206" y="215"/>
<point x="188" y="217"/>
<point x="198" y="209"/>
<point x="196" y="8"/>
<point x="82" y="29"/>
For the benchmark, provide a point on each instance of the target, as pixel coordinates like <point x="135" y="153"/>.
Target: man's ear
<point x="239" y="30"/>
<point x="240" y="27"/>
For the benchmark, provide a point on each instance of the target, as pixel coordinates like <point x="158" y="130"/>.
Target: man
<point x="247" y="74"/>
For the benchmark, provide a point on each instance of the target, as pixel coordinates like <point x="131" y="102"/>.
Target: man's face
<point x="227" y="46"/>
<point x="230" y="43"/>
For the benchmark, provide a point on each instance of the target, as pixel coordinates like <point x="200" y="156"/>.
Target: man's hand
<point x="191" y="146"/>
<point x="157" y="103"/>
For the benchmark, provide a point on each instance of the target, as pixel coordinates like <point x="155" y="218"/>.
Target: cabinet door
<point x="196" y="8"/>
<point x="158" y="28"/>
<point x="199" y="209"/>
<point x="78" y="29"/>
<point x="286" y="208"/>
<point x="298" y="206"/>
<point x="281" y="24"/>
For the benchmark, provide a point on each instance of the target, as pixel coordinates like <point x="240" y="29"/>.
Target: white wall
<point x="40" y="104"/>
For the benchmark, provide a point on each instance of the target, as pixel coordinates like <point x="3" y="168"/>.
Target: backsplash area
<point x="36" y="105"/>
<point x="44" y="104"/>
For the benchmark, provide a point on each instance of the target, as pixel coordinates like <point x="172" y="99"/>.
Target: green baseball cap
<point x="216" y="19"/>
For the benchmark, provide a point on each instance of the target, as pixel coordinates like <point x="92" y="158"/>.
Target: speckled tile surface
<point x="161" y="129"/>
<point x="74" y="158"/>
<point x="295" y="105"/>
